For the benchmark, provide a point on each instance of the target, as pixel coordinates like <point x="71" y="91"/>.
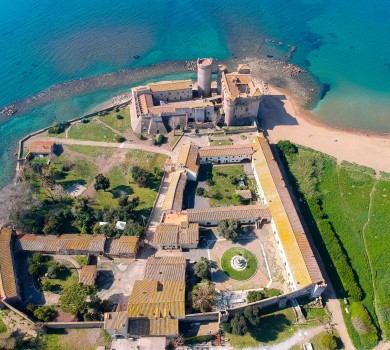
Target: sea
<point x="58" y="59"/>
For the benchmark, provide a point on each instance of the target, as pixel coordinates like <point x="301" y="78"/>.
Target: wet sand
<point x="284" y="119"/>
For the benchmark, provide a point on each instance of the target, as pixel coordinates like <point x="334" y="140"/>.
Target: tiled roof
<point x="37" y="243"/>
<point x="41" y="147"/>
<point x="8" y="288"/>
<point x="170" y="85"/>
<point x="88" y="275"/>
<point x="153" y="327"/>
<point x="174" y="196"/>
<point x="82" y="242"/>
<point x="224" y="213"/>
<point x="123" y="245"/>
<point x="239" y="85"/>
<point x="298" y="252"/>
<point x="176" y="234"/>
<point x="165" y="268"/>
<point x="145" y="102"/>
<point x="156" y="299"/>
<point x="225" y="151"/>
<point x="188" y="157"/>
<point x="115" y="320"/>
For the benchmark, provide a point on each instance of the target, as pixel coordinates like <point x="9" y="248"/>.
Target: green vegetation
<point x="101" y="182"/>
<point x="222" y="183"/>
<point x="323" y="341"/>
<point x="158" y="139"/>
<point x="174" y="139"/>
<point x="347" y="212"/>
<point x="92" y="151"/>
<point x="58" y="128"/>
<point x="82" y="260"/>
<point x="256" y="295"/>
<point x="203" y="296"/>
<point x="3" y="327"/>
<point x="220" y="143"/>
<point x="202" y="268"/>
<point x="91" y="131"/>
<point x="229" y="229"/>
<point x="45" y="313"/>
<point x="198" y="339"/>
<point x="123" y="184"/>
<point x="245" y="274"/>
<point x="118" y="120"/>
<point x="273" y="328"/>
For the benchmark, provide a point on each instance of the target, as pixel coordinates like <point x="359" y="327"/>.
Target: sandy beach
<point x="283" y="119"/>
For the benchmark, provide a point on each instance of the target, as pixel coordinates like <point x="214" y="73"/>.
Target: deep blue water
<point x="343" y="43"/>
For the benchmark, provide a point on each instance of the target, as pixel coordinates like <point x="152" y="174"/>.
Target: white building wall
<point x="173" y="96"/>
<point x="224" y="159"/>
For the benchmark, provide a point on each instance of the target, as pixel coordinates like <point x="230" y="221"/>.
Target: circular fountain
<point x="238" y="262"/>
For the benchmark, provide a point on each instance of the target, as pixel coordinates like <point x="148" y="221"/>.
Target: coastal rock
<point x="9" y="110"/>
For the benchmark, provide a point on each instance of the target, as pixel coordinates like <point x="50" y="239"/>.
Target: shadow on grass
<point x="118" y="191"/>
<point x="67" y="184"/>
<point x="270" y="327"/>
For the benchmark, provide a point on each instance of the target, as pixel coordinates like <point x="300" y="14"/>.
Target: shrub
<point x="202" y="268"/>
<point x="363" y="325"/>
<point x="287" y="148"/>
<point x="200" y="191"/>
<point x="45" y="313"/>
<point x="239" y="325"/>
<point x="119" y="117"/>
<point x="119" y="138"/>
<point x="328" y="341"/>
<point x="226" y="327"/>
<point x="102" y="182"/>
<point x="198" y="339"/>
<point x="228" y="228"/>
<point x="55" y="270"/>
<point x="58" y="128"/>
<point x="252" y="314"/>
<point x="255" y="295"/>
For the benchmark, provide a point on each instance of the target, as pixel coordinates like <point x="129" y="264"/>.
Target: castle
<point x="158" y="107"/>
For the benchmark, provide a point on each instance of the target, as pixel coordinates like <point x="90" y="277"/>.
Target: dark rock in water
<point x="9" y="110"/>
<point x="316" y="56"/>
<point x="34" y="65"/>
<point x="136" y="57"/>
<point x="325" y="88"/>
<point x="307" y="63"/>
<point x="7" y="33"/>
<point x="332" y="35"/>
<point x="19" y="63"/>
<point x="270" y="56"/>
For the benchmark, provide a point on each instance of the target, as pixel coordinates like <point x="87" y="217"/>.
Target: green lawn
<point x="222" y="191"/>
<point x="92" y="151"/>
<point x="245" y="274"/>
<point x="80" y="171"/>
<point x="122" y="125"/>
<point x="91" y="131"/>
<point x="3" y="327"/>
<point x="343" y="193"/>
<point x="220" y="143"/>
<point x="73" y="339"/>
<point x="273" y="328"/>
<point x="121" y="181"/>
<point x="81" y="259"/>
<point x="316" y="341"/>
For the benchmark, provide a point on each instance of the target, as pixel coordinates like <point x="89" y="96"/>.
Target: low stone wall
<point x="20" y="313"/>
<point x="207" y="316"/>
<point x="240" y="131"/>
<point x="74" y="325"/>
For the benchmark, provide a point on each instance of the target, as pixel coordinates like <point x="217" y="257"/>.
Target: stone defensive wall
<point x="74" y="325"/>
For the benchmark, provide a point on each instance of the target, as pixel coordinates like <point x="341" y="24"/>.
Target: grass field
<point x="91" y="131"/>
<point x="273" y="328"/>
<point x="3" y="328"/>
<point x="220" y="143"/>
<point x="73" y="339"/>
<point x="92" y="151"/>
<point x="122" y="125"/>
<point x="316" y="342"/>
<point x="223" y="190"/>
<point x="245" y="274"/>
<point x="357" y="206"/>
<point x="122" y="182"/>
<point x="81" y="171"/>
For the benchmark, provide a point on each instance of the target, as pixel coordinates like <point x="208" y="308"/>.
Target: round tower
<point x="221" y="69"/>
<point x="204" y="76"/>
<point x="228" y="108"/>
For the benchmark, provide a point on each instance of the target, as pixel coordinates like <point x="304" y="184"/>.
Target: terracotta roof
<point x="238" y="85"/>
<point x="224" y="213"/>
<point x="174" y="197"/>
<point x="165" y="268"/>
<point x="86" y="243"/>
<point x="155" y="299"/>
<point x="145" y="101"/>
<point x="88" y="275"/>
<point x="41" y="147"/>
<point x="188" y="157"/>
<point x="8" y="287"/>
<point x="204" y="62"/>
<point x="245" y="194"/>
<point x="171" y="85"/>
<point x="298" y="252"/>
<point x="153" y="327"/>
<point x="123" y="245"/>
<point x="225" y="151"/>
<point x="115" y="320"/>
<point x="37" y="243"/>
<point x="168" y="234"/>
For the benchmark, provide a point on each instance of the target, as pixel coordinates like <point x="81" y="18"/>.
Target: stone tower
<point x="204" y="76"/>
<point x="221" y="69"/>
<point x="229" y="108"/>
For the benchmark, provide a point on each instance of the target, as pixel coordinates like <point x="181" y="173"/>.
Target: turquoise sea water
<point x="42" y="43"/>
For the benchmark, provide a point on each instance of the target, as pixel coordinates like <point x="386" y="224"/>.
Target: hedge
<point x="362" y="323"/>
<point x="340" y="261"/>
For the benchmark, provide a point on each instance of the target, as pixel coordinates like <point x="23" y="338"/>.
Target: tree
<point x="140" y="176"/>
<point x="57" y="220"/>
<point x="254" y="295"/>
<point x="203" y="296"/>
<point x="55" y="269"/>
<point x="287" y="148"/>
<point x="328" y="341"/>
<point x="77" y="298"/>
<point x="202" y="268"/>
<point x="158" y="139"/>
<point x="119" y="138"/>
<point x="58" y="128"/>
<point x="45" y="313"/>
<point x="46" y="285"/>
<point x="36" y="264"/>
<point x="228" y="228"/>
<point x="102" y="183"/>
<point x="239" y="325"/>
<point x="200" y="191"/>
<point x="252" y="314"/>
<point x="226" y="327"/>
<point x="133" y="228"/>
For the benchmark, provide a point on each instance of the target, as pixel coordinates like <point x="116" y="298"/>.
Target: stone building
<point x="204" y="76"/>
<point x="225" y="154"/>
<point x="172" y="236"/>
<point x="173" y="201"/>
<point x="188" y="161"/>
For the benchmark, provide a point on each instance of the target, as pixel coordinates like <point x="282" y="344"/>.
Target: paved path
<point x="125" y="145"/>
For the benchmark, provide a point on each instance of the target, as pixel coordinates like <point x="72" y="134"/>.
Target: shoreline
<point x="283" y="118"/>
